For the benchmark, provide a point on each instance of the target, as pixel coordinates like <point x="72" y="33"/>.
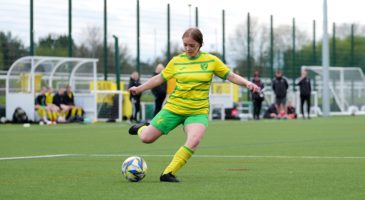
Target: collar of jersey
<point x="195" y="57"/>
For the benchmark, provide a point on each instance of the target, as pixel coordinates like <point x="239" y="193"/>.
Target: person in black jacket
<point x="305" y="92"/>
<point x="41" y="106"/>
<point x="59" y="99"/>
<point x="159" y="92"/>
<point x="136" y="99"/>
<point x="271" y="112"/>
<point x="280" y="86"/>
<point x="76" y="111"/>
<point x="257" y="98"/>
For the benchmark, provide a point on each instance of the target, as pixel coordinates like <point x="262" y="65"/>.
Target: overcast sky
<point x="51" y="17"/>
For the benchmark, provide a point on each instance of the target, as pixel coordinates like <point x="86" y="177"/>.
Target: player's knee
<point x="194" y="143"/>
<point x="146" y="139"/>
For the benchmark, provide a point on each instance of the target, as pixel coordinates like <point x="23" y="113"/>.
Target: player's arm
<point x="239" y="80"/>
<point x="151" y="83"/>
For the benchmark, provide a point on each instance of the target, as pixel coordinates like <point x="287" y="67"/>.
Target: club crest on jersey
<point x="204" y="66"/>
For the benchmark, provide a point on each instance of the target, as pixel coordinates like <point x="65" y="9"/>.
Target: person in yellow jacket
<point x="188" y="104"/>
<point x="53" y="110"/>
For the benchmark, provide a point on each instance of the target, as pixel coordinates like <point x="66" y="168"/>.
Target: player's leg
<point x="254" y="109"/>
<point x="161" y="124"/>
<point x="259" y="105"/>
<point x="149" y="134"/>
<point x="302" y="101"/>
<point x="308" y="105"/>
<point x="194" y="133"/>
<point x="195" y="127"/>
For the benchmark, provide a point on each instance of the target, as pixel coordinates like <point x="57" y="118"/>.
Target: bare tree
<point x="92" y="39"/>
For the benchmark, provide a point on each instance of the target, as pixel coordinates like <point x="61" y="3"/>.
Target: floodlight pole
<point x="325" y="64"/>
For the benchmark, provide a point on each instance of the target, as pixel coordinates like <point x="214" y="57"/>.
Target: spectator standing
<point x="135" y="98"/>
<point x="257" y="98"/>
<point x="159" y="92"/>
<point x="280" y="86"/>
<point x="305" y="92"/>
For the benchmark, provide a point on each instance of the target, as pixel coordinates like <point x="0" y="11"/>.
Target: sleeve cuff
<point x="226" y="75"/>
<point x="164" y="78"/>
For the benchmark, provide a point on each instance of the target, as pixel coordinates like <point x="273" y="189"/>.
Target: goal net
<point x="346" y="85"/>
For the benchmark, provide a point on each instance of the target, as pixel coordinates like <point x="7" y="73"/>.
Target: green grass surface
<point x="322" y="158"/>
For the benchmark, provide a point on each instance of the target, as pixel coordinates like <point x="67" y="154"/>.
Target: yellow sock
<point x="73" y="112"/>
<point x="179" y="160"/>
<point x="44" y="114"/>
<point x="79" y="112"/>
<point x="49" y="114"/>
<point x="40" y="113"/>
<point x="55" y="116"/>
<point x="140" y="130"/>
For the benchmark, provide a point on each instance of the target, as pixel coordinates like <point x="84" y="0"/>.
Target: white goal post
<point x="346" y="85"/>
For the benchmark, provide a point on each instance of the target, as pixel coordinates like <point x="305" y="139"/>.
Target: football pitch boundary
<point x="196" y="156"/>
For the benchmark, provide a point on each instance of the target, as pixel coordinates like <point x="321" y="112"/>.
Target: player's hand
<point x="254" y="88"/>
<point x="134" y="90"/>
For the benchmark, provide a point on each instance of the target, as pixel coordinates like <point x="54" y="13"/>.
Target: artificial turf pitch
<point x="322" y="158"/>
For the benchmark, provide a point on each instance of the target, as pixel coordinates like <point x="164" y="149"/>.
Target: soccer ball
<point x="134" y="168"/>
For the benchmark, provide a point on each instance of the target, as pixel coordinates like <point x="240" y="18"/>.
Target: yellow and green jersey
<point x="193" y="78"/>
<point x="49" y="98"/>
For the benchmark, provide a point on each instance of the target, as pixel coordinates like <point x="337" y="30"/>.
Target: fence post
<point x="138" y="38"/>
<point x="223" y="37"/>
<point x="293" y="56"/>
<point x="314" y="56"/>
<point x="117" y="63"/>
<point x="196" y="17"/>
<point x="334" y="45"/>
<point x="352" y="45"/>
<point x="70" y="28"/>
<point x="272" y="47"/>
<point x="105" y="42"/>
<point x="31" y="31"/>
<point x="168" y="52"/>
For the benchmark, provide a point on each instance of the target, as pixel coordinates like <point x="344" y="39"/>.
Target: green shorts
<point x="166" y="121"/>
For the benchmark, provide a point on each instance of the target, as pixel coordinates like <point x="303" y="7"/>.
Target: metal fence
<point x="150" y="34"/>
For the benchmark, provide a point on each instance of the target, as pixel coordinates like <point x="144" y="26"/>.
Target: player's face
<point x="191" y="47"/>
<point x="44" y="90"/>
<point x="304" y="73"/>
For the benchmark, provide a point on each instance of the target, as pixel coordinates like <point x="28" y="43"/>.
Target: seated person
<point x="60" y="101"/>
<point x="271" y="112"/>
<point x="76" y="112"/>
<point x="290" y="111"/>
<point x="41" y="106"/>
<point x="52" y="109"/>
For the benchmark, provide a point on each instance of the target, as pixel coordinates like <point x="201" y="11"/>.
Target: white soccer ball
<point x="134" y="168"/>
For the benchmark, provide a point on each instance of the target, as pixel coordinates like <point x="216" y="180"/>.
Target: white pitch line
<point x="197" y="156"/>
<point x="34" y="157"/>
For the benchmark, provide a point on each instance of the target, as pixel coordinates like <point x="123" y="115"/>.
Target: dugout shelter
<point x="29" y="74"/>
